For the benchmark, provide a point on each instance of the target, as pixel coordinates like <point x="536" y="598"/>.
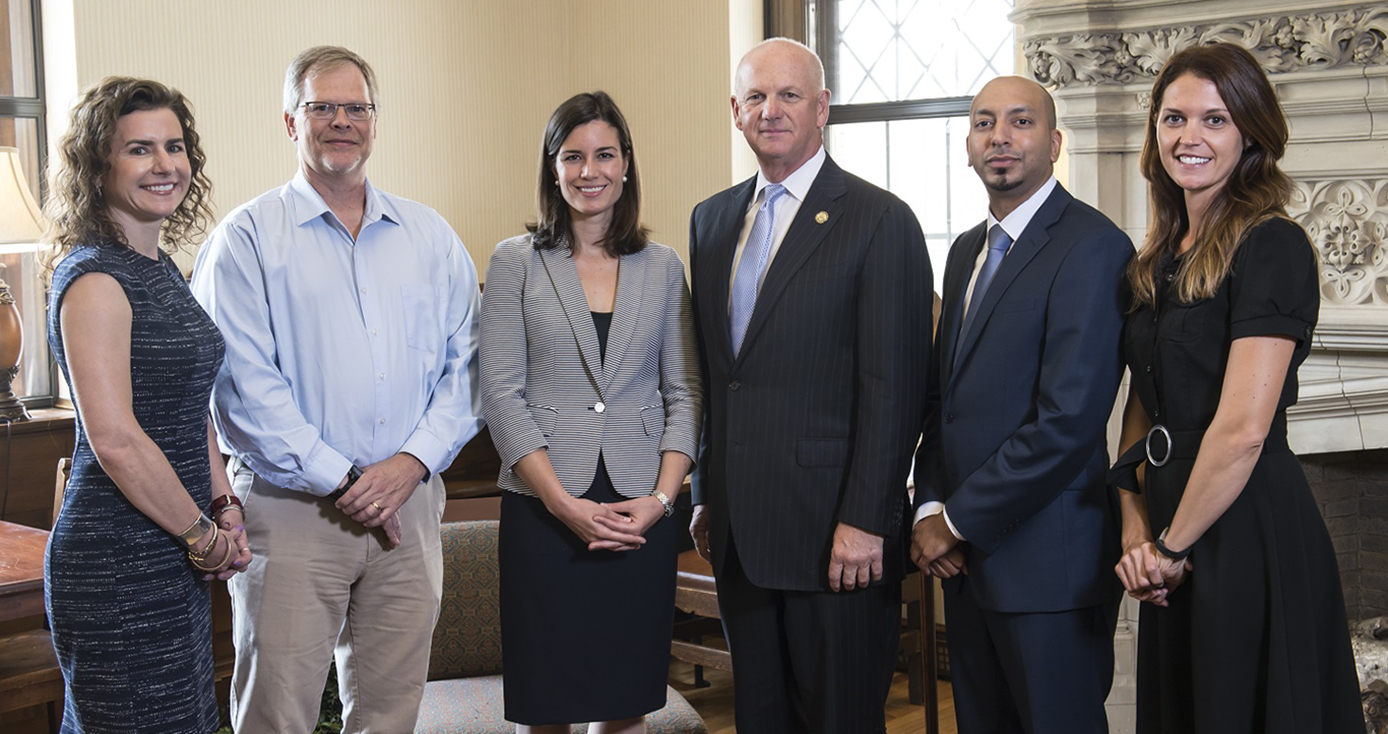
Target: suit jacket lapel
<point x="1033" y="238"/>
<point x="725" y="230"/>
<point x="563" y="275"/>
<point x="804" y="236"/>
<point x="631" y="285"/>
<point x="957" y="281"/>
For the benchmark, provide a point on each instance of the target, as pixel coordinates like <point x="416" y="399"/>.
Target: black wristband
<point x="1160" y="544"/>
<point x="353" y="475"/>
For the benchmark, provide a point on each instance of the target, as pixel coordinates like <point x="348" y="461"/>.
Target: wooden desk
<point x="31" y="687"/>
<point x="21" y="571"/>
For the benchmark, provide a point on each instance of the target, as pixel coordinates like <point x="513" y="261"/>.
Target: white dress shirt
<point x="1014" y="224"/>
<point x="340" y="351"/>
<point x="797" y="188"/>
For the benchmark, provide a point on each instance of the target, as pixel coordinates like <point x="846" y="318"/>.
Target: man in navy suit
<point x="812" y="297"/>
<point x="1013" y="509"/>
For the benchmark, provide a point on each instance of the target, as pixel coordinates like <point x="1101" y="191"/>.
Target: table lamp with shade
<point x="20" y="229"/>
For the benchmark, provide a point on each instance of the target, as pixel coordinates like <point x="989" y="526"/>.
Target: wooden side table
<point x="21" y="570"/>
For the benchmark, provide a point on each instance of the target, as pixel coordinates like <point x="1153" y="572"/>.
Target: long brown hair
<point x="625" y="234"/>
<point x="1256" y="191"/>
<point x="76" y="207"/>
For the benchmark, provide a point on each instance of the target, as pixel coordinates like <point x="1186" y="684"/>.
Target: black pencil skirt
<point x="585" y="634"/>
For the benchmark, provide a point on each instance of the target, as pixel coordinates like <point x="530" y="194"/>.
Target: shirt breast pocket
<point x="420" y="306"/>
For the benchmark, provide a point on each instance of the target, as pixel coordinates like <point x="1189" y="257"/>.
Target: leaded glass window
<point x="902" y="73"/>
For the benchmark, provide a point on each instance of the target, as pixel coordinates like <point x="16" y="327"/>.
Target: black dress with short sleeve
<point x="1256" y="640"/>
<point x="131" y="618"/>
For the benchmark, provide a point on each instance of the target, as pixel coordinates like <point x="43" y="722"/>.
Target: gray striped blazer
<point x="544" y="383"/>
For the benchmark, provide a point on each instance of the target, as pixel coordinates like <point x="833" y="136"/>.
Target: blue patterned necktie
<point x="749" y="270"/>
<point x="998" y="242"/>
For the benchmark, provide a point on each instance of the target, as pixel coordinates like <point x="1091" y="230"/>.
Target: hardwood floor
<point x="715" y="703"/>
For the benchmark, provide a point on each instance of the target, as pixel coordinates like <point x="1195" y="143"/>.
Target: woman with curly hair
<point x="1245" y="630"/>
<point x="133" y="547"/>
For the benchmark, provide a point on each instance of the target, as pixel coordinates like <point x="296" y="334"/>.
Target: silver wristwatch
<point x="665" y="502"/>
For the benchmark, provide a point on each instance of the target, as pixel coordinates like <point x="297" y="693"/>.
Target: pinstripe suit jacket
<point x="543" y="377"/>
<point x="814" y="421"/>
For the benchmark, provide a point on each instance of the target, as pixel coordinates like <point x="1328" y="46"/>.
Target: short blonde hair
<point x="321" y="58"/>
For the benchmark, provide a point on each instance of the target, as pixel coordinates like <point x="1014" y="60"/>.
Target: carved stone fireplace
<point x="1329" y="63"/>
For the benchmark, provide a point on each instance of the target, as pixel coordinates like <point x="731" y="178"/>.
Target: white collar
<point x="1015" y="223"/>
<point x="798" y="183"/>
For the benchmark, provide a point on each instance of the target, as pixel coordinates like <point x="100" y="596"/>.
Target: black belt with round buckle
<point x="1147" y="444"/>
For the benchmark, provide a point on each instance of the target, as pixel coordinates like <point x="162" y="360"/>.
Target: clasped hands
<point x="378" y="495"/>
<point x="231" y="550"/>
<point x="1150" y="576"/>
<point x="620" y="526"/>
<point x="935" y="550"/>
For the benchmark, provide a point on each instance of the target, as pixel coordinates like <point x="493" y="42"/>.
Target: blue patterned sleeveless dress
<point x="131" y="618"/>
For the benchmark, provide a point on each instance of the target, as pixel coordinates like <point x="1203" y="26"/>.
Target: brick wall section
<point x="1352" y="491"/>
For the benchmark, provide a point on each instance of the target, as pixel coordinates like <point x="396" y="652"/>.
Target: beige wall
<point x="466" y="88"/>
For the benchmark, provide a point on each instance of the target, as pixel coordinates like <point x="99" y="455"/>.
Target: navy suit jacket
<point x="1014" y="440"/>
<point x="815" y="420"/>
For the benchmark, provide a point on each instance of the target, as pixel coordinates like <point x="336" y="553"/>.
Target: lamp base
<point x="10" y="408"/>
<point x="13" y="411"/>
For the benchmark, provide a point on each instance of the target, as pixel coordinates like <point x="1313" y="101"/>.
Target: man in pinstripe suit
<point x="812" y="297"/>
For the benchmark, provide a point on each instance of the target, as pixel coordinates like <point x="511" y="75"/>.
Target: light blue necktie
<point x="998" y="242"/>
<point x="749" y="270"/>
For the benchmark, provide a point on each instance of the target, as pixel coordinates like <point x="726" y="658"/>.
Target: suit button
<point x="949" y="417"/>
<point x="734" y="385"/>
<point x="599" y="406"/>
<point x="1149" y="369"/>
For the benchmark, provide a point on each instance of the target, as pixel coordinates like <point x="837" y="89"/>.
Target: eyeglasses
<point x="356" y="111"/>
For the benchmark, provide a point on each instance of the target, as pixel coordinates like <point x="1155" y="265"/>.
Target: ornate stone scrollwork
<point x="1281" y="43"/>
<point x="1348" y="223"/>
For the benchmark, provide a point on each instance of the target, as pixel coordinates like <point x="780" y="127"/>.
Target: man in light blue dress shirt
<point x="350" y="382"/>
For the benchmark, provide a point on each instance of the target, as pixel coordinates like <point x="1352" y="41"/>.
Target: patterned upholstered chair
<point x="463" y="695"/>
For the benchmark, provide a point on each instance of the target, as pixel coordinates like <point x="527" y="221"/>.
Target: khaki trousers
<point x="322" y="585"/>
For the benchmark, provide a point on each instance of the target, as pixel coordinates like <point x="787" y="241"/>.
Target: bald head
<point x="780" y="52"/>
<point x="780" y="105"/>
<point x="1013" y="142"/>
<point x="1017" y="91"/>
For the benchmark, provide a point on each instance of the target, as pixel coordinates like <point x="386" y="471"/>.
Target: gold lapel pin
<point x="821" y="217"/>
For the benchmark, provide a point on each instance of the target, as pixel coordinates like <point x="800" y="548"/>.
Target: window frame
<point x="814" y="22"/>
<point x="35" y="108"/>
<point x="820" y="22"/>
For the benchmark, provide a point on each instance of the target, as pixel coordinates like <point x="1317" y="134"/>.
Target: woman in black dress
<point x="133" y="547"/>
<point x="590" y="387"/>
<point x="1245" y="630"/>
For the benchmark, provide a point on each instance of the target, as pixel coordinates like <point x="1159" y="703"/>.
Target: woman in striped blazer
<point x="590" y="384"/>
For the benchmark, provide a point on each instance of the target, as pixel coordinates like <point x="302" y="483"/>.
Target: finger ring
<point x="373" y="504"/>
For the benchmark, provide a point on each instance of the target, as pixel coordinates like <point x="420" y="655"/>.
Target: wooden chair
<point x="60" y="486"/>
<point x="695" y="594"/>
